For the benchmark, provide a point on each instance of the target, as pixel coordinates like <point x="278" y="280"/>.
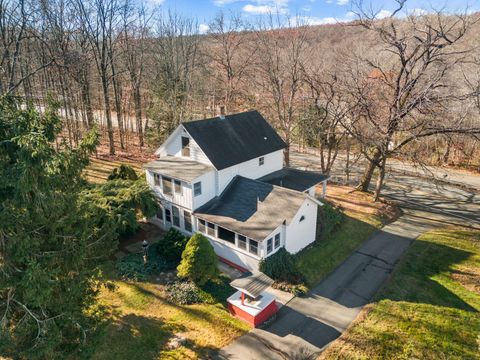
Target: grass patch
<point x="362" y="217"/>
<point x="140" y="321"/>
<point x="98" y="169"/>
<point x="429" y="309"/>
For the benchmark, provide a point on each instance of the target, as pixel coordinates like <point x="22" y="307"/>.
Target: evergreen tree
<point x="199" y="262"/>
<point x="50" y="242"/>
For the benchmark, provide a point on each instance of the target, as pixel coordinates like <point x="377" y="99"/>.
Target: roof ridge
<point x="218" y="117"/>
<point x="275" y="186"/>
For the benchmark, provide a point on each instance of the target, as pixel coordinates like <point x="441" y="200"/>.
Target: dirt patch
<point x="469" y="278"/>
<point x="132" y="152"/>
<point x="351" y="200"/>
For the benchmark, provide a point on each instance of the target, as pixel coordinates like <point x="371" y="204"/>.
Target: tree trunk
<point x="367" y="175"/>
<point x="381" y="177"/>
<point x="87" y="102"/>
<point x="286" y="154"/>
<point x="108" y="114"/>
<point x="118" y="107"/>
<point x="138" y="115"/>
<point x="347" y="165"/>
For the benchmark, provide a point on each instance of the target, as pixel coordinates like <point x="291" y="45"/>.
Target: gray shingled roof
<point x="178" y="168"/>
<point x="294" y="179"/>
<point x="252" y="208"/>
<point x="252" y="284"/>
<point x="234" y="139"/>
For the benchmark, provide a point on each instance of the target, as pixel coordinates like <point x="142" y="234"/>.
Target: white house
<point x="224" y="177"/>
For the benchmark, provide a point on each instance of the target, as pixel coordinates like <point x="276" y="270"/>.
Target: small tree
<point x="199" y="262"/>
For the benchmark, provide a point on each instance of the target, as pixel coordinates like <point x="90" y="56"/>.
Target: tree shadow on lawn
<point x="413" y="281"/>
<point x="130" y="336"/>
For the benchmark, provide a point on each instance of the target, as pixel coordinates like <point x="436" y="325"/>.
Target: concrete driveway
<point x="305" y="326"/>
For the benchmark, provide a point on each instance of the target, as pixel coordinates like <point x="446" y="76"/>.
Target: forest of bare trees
<point x="405" y="87"/>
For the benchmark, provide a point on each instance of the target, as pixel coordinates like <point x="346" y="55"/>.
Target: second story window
<point x="197" y="188"/>
<point x="178" y="187"/>
<point x="156" y="179"/>
<point x="185" y="146"/>
<point x="261" y="161"/>
<point x="167" y="186"/>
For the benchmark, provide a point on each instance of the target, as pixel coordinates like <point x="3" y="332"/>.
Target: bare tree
<point x="283" y="48"/>
<point x="99" y="19"/>
<point x="406" y="93"/>
<point x="231" y="52"/>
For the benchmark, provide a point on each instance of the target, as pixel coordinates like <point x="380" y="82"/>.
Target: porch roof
<point x="295" y="179"/>
<point x="178" y="168"/>
<point x="252" y="284"/>
<point x="252" y="208"/>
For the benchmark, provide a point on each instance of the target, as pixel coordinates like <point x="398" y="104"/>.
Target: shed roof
<point x="295" y="179"/>
<point x="178" y="168"/>
<point x="252" y="284"/>
<point x="234" y="138"/>
<point x="252" y="208"/>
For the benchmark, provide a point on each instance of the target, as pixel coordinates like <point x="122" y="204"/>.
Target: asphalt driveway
<point x="306" y="325"/>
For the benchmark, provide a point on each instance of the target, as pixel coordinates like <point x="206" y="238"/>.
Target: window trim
<point x="171" y="185"/>
<point x="185" y="148"/>
<point x="244" y="240"/>
<point x="189" y="217"/>
<point x="261" y="160"/>
<point x="199" y="183"/>
<point x="277" y="237"/>
<point x="179" y="184"/>
<point x="175" y="208"/>
<point x="157" y="177"/>
<point x="269" y="245"/>
<point x="250" y="247"/>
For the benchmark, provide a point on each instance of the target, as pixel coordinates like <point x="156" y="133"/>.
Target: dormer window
<point x="185" y="146"/>
<point x="261" y="161"/>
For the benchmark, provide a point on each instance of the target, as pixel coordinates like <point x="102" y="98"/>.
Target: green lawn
<point x="429" y="310"/>
<point x="139" y="322"/>
<point x="98" y="169"/>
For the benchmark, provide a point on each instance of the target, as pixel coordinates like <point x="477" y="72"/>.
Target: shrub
<point x="183" y="293"/>
<point x="281" y="266"/>
<point x="172" y="246"/>
<point x="199" y="262"/>
<point x="217" y="290"/>
<point x="124" y="172"/>
<point x="330" y="218"/>
<point x="132" y="267"/>
<point x="297" y="289"/>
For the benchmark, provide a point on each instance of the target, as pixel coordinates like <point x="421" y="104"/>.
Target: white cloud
<point x="382" y="14"/>
<point x="417" y="12"/>
<point x="313" y="20"/>
<point x="307" y="8"/>
<point x="350" y="15"/>
<point x="203" y="28"/>
<point x="156" y="2"/>
<point x="342" y="2"/>
<point x="266" y="6"/>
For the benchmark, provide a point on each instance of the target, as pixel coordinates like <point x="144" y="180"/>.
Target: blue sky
<point x="312" y="11"/>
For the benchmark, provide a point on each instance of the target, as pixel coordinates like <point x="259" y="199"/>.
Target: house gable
<point x="173" y="147"/>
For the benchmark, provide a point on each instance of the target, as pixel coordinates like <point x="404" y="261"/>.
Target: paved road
<point x="307" y="325"/>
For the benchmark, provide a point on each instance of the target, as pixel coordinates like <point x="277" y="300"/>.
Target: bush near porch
<point x="361" y="218"/>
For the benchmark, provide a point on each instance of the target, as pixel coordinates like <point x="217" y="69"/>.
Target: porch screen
<point x="226" y="235"/>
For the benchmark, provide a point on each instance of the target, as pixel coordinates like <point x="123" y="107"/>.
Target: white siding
<point x="279" y="230"/>
<point x="208" y="189"/>
<point x="184" y="199"/>
<point x="173" y="147"/>
<point x="300" y="234"/>
<point x="250" y="169"/>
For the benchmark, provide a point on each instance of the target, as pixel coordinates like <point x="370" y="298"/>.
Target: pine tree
<point x="199" y="262"/>
<point x="50" y="242"/>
